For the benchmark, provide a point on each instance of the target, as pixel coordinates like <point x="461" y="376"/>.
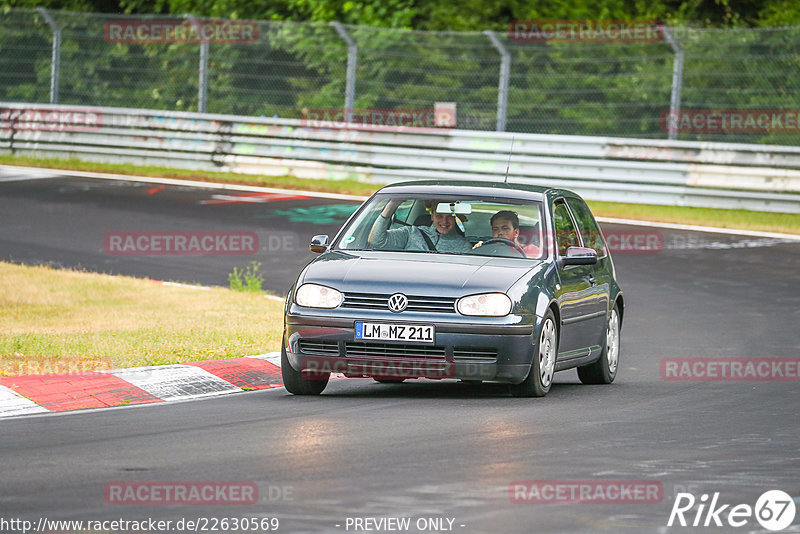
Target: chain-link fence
<point x="285" y="69"/>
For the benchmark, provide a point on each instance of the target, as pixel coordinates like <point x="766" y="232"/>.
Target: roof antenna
<point x="505" y="181"/>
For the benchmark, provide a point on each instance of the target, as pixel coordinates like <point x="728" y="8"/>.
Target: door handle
<point x="592" y="280"/>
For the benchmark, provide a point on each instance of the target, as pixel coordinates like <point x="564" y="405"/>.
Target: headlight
<point x="486" y="305"/>
<point x="317" y="296"/>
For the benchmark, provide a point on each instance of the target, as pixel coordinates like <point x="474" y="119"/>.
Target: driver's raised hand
<point x="390" y="208"/>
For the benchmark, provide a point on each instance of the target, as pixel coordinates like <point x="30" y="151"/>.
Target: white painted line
<point x="186" y="183"/>
<point x="154" y="405"/>
<point x="275" y="298"/>
<point x="695" y="228"/>
<point x="172" y="382"/>
<point x="16" y="176"/>
<point x="272" y="357"/>
<point x="12" y="404"/>
<point x="696" y="244"/>
<point x="23" y="178"/>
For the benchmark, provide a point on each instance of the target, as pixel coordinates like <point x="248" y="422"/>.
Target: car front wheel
<point x="301" y="382"/>
<point x="540" y="377"/>
<point x="604" y="370"/>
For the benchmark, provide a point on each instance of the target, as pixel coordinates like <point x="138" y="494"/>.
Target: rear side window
<point x="566" y="235"/>
<point x="403" y="212"/>
<point x="590" y="232"/>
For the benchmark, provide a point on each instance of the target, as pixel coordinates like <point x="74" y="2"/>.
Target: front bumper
<point x="462" y="350"/>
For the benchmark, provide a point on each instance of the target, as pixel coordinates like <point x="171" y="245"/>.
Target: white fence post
<point x="677" y="82"/>
<point x="505" y="72"/>
<point x="55" y="62"/>
<point x="202" y="77"/>
<point x="352" y="57"/>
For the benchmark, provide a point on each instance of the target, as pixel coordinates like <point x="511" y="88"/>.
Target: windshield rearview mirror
<point x="454" y="208"/>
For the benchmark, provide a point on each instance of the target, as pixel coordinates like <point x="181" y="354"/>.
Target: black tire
<point x="604" y="370"/>
<point x="388" y="380"/>
<point x="301" y="382"/>
<point x="540" y="377"/>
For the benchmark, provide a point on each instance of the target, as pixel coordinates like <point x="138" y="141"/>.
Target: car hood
<point x="416" y="273"/>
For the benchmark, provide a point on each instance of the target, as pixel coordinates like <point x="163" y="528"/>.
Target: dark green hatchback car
<point x="449" y="280"/>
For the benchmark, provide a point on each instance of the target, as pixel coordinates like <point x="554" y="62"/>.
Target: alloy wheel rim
<point x="612" y="342"/>
<point x="547" y="348"/>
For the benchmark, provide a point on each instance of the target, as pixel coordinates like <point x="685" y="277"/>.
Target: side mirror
<point x="579" y="256"/>
<point x="319" y="244"/>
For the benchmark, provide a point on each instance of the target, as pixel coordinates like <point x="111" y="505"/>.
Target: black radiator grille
<point x="378" y="301"/>
<point x="474" y="354"/>
<point x="317" y="346"/>
<point x="355" y="349"/>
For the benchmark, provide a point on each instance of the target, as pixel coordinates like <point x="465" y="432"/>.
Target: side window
<point x="403" y="211"/>
<point x="590" y="233"/>
<point x="566" y="236"/>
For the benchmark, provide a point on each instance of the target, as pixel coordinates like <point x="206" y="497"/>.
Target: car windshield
<point x="447" y="225"/>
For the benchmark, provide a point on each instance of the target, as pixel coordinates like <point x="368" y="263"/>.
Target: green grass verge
<point x="788" y="223"/>
<point x="737" y="219"/>
<point x="60" y="321"/>
<point x="347" y="187"/>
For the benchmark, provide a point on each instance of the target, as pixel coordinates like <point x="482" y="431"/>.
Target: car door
<point x="576" y="294"/>
<point x="600" y="276"/>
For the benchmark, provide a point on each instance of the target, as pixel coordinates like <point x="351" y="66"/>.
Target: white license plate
<point x="410" y="333"/>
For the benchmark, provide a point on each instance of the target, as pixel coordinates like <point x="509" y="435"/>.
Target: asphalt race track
<point x="66" y="221"/>
<point x="421" y="450"/>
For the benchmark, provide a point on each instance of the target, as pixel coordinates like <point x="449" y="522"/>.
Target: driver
<point x="505" y="225"/>
<point x="441" y="235"/>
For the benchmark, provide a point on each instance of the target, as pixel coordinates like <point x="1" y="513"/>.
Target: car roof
<point x="474" y="188"/>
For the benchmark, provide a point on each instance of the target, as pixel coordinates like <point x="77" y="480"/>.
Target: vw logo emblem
<point x="398" y="302"/>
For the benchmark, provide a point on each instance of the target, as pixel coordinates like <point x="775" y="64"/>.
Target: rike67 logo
<point x="774" y="510"/>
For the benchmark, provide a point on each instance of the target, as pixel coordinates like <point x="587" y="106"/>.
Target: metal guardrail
<point x="716" y="175"/>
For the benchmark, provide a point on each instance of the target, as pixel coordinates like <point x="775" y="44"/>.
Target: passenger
<point x="442" y="235"/>
<point x="505" y="225"/>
